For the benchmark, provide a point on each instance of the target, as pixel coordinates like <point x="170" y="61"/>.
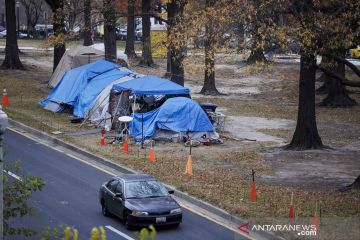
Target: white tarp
<point x="73" y="58"/>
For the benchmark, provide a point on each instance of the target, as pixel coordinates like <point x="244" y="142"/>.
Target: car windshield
<point x="145" y="189"/>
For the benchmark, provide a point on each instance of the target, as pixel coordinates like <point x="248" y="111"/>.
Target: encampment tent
<point x="73" y="58"/>
<point x="152" y="85"/>
<point x="94" y="88"/>
<point x="97" y="113"/>
<point x="179" y="115"/>
<point x="73" y="83"/>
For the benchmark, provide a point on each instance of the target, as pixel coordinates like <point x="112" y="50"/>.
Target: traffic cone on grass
<point x="152" y="153"/>
<point x="126" y="145"/>
<point x="189" y="168"/>
<point x="315" y="218"/>
<point x="253" y="188"/>
<point x="102" y="140"/>
<point x="291" y="209"/>
<point x="5" y="99"/>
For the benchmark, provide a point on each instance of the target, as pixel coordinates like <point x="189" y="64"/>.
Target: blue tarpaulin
<point x="151" y="85"/>
<point x="93" y="89"/>
<point x="178" y="114"/>
<point x="74" y="81"/>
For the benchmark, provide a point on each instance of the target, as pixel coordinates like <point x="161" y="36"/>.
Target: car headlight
<point x="139" y="213"/>
<point x="175" y="211"/>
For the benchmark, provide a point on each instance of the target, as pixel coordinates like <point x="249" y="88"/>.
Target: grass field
<point x="222" y="173"/>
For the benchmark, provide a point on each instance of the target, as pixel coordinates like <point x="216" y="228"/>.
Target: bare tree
<point x="130" y="48"/>
<point x="147" y="59"/>
<point x="33" y="11"/>
<point x="87" y="23"/>
<point x="12" y="59"/>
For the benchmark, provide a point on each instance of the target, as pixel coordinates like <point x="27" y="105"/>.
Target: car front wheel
<point x="104" y="210"/>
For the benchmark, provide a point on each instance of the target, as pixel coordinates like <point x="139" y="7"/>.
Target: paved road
<point x="70" y="196"/>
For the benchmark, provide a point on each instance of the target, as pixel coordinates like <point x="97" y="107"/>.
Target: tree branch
<point x="343" y="80"/>
<point x="346" y="62"/>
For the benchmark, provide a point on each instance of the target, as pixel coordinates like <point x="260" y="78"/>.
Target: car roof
<point x="134" y="177"/>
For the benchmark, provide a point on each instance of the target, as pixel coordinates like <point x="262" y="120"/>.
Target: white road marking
<point x="13" y="175"/>
<point x="29" y="136"/>
<point x="119" y="233"/>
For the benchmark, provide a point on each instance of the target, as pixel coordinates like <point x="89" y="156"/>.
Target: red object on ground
<point x="253" y="192"/>
<point x="291" y="211"/>
<point x="5" y="99"/>
<point x="126" y="146"/>
<point x="152" y="155"/>
<point x="102" y="141"/>
<point x="316" y="221"/>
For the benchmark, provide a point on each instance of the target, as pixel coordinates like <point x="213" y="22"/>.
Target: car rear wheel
<point x="104" y="210"/>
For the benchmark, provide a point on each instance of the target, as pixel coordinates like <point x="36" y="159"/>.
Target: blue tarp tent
<point x="93" y="89"/>
<point x="179" y="114"/>
<point x="74" y="81"/>
<point x="151" y="85"/>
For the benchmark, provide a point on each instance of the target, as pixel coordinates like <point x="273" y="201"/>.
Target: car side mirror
<point x="118" y="195"/>
<point x="171" y="191"/>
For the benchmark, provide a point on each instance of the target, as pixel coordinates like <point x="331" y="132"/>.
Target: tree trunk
<point x="58" y="25"/>
<point x="209" y="87"/>
<point x="12" y="60"/>
<point x="87" y="23"/>
<point x="325" y="87"/>
<point x="328" y="63"/>
<point x="257" y="49"/>
<point x="147" y="59"/>
<point x="256" y="55"/>
<point x="337" y="95"/>
<point x="175" y="68"/>
<point x="110" y="30"/>
<point x="130" y="35"/>
<point x="306" y="135"/>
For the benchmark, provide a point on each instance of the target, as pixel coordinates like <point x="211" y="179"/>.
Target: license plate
<point x="160" y="219"/>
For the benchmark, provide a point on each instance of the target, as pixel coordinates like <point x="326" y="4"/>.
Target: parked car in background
<point x="138" y="34"/>
<point x="121" y="33"/>
<point x="140" y="200"/>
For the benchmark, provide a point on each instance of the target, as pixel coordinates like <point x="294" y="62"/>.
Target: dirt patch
<point x="261" y="104"/>
<point x="333" y="168"/>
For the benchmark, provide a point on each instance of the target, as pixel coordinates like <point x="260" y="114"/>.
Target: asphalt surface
<point x="70" y="197"/>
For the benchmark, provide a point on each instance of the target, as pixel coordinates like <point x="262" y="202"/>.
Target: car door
<point x="118" y="202"/>
<point x="110" y="193"/>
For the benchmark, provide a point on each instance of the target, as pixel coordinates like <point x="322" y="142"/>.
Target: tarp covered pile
<point x="85" y="91"/>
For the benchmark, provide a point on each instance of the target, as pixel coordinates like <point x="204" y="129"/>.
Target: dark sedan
<point x="140" y="200"/>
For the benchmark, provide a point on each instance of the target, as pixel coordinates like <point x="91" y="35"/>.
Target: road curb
<point x="182" y="195"/>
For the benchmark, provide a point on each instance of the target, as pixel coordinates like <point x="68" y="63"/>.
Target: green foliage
<point x="144" y="233"/>
<point x="16" y="194"/>
<point x="67" y="233"/>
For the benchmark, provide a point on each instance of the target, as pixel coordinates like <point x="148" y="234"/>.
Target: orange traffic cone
<point x="253" y="195"/>
<point x="189" y="169"/>
<point x="152" y="154"/>
<point x="253" y="192"/>
<point x="126" y="145"/>
<point x="5" y="99"/>
<point x="291" y="210"/>
<point x="102" y="140"/>
<point x="316" y="221"/>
